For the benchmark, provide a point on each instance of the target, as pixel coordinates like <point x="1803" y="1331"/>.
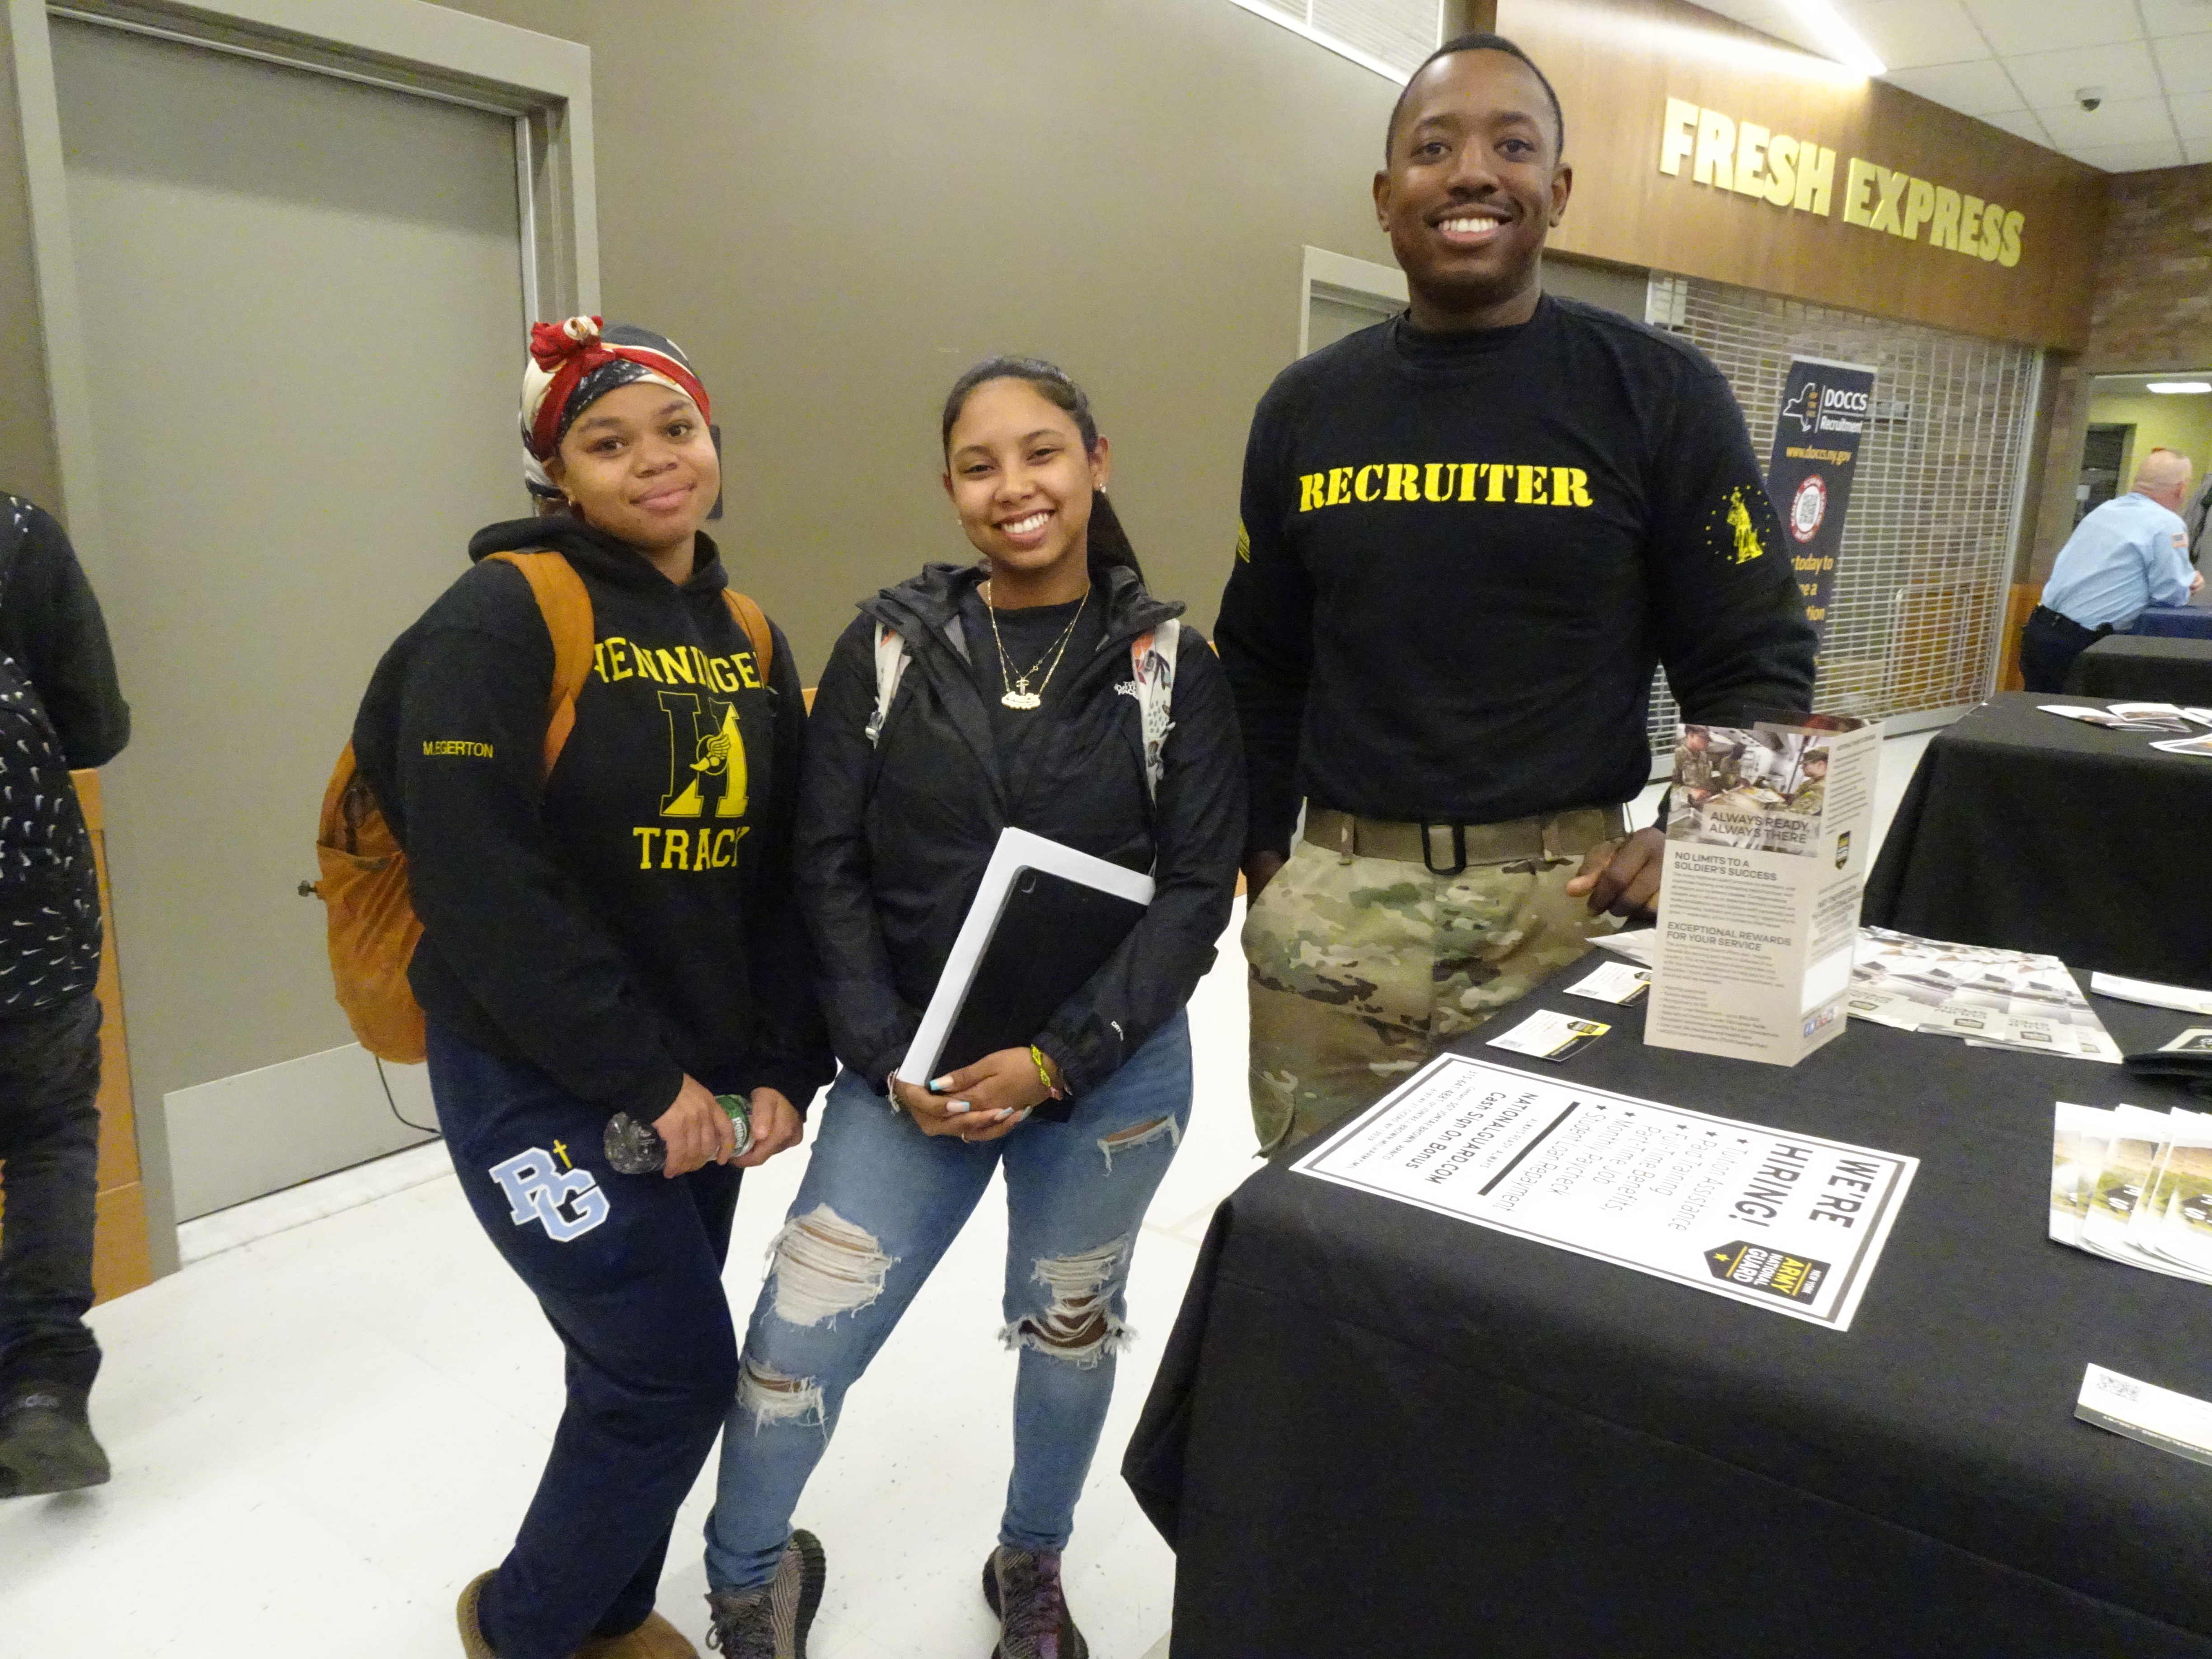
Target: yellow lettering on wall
<point x="1920" y="204"/>
<point x="1436" y="481"/>
<point x="1816" y="177"/>
<point x="1751" y="141"/>
<point x="1360" y="484"/>
<point x="1861" y="183"/>
<point x="1679" y="137"/>
<point x="1781" y="169"/>
<point x="1403" y="483"/>
<point x="1716" y="150"/>
<point x="2008" y="255"/>
<point x="1993" y="219"/>
<point x="1970" y="225"/>
<point x="1339" y="486"/>
<point x="1892" y="195"/>
<point x="1944" y="229"/>
<point x="1312" y="491"/>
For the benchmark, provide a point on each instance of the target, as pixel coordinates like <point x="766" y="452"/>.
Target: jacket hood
<point x="932" y="600"/>
<point x="605" y="557"/>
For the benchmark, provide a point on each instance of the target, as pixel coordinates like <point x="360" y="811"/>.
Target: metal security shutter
<point x="1928" y="547"/>
<point x="1390" y="37"/>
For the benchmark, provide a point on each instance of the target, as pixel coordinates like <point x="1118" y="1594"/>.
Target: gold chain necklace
<point x="1017" y="693"/>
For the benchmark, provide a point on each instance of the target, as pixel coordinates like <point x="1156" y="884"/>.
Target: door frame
<point x="541" y="84"/>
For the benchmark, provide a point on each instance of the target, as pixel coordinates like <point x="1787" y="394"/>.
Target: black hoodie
<point x="892" y="839"/>
<point x="631" y="920"/>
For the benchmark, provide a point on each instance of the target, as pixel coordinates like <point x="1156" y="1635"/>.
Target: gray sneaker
<point x="1023" y="1587"/>
<point x="772" y="1622"/>
<point x="46" y="1443"/>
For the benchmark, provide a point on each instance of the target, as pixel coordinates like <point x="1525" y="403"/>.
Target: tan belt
<point x="1448" y="848"/>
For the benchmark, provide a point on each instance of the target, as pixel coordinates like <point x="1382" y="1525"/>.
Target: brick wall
<point x="2153" y="310"/>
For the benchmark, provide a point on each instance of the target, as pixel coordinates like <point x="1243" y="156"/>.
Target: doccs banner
<point x="1825" y="407"/>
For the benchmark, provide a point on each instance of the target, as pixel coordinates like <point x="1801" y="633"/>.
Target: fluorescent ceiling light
<point x="1838" y="39"/>
<point x="2179" y="385"/>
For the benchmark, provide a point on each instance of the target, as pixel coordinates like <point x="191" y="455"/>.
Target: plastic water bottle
<point x="637" y="1148"/>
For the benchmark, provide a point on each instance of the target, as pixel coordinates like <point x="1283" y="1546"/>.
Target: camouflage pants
<point x="1363" y="968"/>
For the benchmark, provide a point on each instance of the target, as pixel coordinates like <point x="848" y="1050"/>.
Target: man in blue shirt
<point x="2129" y="555"/>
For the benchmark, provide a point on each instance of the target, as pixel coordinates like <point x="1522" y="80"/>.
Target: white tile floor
<point x="334" y="1415"/>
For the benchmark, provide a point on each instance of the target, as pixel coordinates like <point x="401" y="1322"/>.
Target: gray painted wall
<point x="836" y="208"/>
<point x="28" y="467"/>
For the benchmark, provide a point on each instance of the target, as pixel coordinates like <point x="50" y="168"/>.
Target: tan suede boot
<point x="473" y="1637"/>
<point x="656" y="1638"/>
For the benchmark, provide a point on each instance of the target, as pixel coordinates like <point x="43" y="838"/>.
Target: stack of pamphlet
<point x="2136" y="1185"/>
<point x="2182" y="725"/>
<point x="1990" y="997"/>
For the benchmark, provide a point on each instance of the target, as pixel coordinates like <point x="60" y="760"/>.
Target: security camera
<point x="2088" y="97"/>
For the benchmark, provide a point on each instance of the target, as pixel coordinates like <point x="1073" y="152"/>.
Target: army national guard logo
<point x="544" y="1187"/>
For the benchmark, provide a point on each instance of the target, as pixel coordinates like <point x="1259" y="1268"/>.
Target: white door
<point x="301" y="304"/>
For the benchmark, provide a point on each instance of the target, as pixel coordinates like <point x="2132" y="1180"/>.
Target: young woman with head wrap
<point x="616" y="936"/>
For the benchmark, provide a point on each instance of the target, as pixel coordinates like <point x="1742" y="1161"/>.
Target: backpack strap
<point x="891" y="658"/>
<point x="566" y="604"/>
<point x="754" y="621"/>
<point x="1152" y="665"/>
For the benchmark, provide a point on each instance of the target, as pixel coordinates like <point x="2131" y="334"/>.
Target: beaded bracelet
<point x="1044" y="1073"/>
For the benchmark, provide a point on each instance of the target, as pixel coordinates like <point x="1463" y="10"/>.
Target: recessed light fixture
<point x="1837" y="38"/>
<point x="2172" y="387"/>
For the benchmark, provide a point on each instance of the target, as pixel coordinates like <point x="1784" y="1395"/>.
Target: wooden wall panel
<point x="121" y="1258"/>
<point x="1615" y="63"/>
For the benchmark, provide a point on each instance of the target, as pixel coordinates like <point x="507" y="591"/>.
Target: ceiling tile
<point x="2192" y="114"/>
<point x="2184" y="62"/>
<point x="2130" y="158"/>
<point x="2047" y="79"/>
<point x="2176" y="16"/>
<point x="1912" y="34"/>
<point x="2021" y="123"/>
<point x="2021" y="26"/>
<point x="2131" y="121"/>
<point x="1970" y="89"/>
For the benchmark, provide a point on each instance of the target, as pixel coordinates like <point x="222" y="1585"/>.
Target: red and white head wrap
<point x="575" y="363"/>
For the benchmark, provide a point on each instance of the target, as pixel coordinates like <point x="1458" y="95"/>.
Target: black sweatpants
<point x="50" y="1146"/>
<point x="628" y="1269"/>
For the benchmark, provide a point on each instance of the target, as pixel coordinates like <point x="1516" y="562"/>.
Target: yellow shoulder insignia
<point x="1747" y="546"/>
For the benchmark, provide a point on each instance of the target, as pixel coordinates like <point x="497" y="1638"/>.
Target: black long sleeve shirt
<point x="629" y="919"/>
<point x="1462" y="555"/>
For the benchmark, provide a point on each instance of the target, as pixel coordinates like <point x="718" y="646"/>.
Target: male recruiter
<point x="1469" y="533"/>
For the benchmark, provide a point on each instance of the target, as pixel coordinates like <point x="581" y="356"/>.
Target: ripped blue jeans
<point x="881" y="1202"/>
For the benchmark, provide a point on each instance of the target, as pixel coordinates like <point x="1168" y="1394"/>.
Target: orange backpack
<point x="373" y="925"/>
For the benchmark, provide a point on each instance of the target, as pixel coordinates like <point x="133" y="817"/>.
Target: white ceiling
<point x="2018" y="63"/>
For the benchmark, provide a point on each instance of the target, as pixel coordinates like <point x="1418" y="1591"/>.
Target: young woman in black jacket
<point x="615" y="937"/>
<point x="1021" y="693"/>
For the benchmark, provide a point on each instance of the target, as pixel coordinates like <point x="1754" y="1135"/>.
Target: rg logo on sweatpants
<point x="568" y="1201"/>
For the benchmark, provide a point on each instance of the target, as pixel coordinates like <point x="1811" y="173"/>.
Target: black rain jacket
<point x="893" y="838"/>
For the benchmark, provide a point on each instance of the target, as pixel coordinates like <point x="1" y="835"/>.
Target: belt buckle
<point x="1458" y="847"/>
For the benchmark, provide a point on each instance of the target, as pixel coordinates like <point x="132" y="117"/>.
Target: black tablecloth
<point x="2037" y="833"/>
<point x="2146" y="669"/>
<point x="2180" y="622"/>
<point x="1381" y="1431"/>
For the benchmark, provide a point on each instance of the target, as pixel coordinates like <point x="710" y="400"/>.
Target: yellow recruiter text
<point x="1507" y="483"/>
<point x="687" y="849"/>
<point x="457" y="746"/>
<point x="619" y="658"/>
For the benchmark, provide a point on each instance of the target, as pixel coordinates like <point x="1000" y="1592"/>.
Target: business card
<point x="2179" y="1423"/>
<point x="1550" y="1037"/>
<point x="1615" y="981"/>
